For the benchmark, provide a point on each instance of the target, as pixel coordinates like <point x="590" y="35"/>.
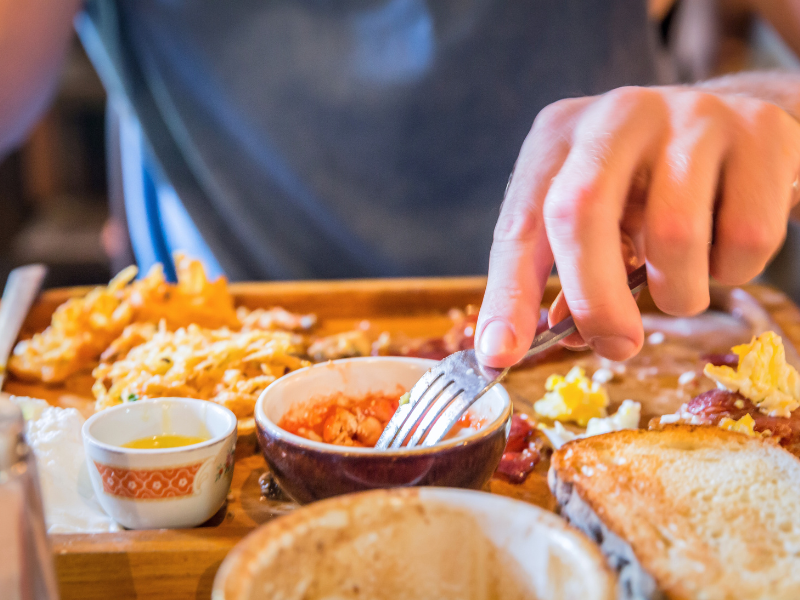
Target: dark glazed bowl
<point x="309" y="470"/>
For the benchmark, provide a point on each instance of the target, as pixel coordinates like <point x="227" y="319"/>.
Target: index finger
<point x="520" y="259"/>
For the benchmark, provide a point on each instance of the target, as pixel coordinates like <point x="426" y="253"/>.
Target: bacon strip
<point x="719" y="360"/>
<point x="710" y="407"/>
<point x="522" y="452"/>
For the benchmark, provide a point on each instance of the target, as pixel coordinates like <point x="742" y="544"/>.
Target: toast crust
<point x="693" y="516"/>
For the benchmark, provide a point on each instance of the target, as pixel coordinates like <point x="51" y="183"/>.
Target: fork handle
<point x="637" y="281"/>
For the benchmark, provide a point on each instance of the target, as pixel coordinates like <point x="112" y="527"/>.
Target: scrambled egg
<point x="744" y="425"/>
<point x="558" y="435"/>
<point x="626" y="417"/>
<point x="762" y="375"/>
<point x="573" y="398"/>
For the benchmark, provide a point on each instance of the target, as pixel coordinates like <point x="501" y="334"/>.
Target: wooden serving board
<point x="181" y="564"/>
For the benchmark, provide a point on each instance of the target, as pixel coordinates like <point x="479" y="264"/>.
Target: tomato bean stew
<point x="348" y="421"/>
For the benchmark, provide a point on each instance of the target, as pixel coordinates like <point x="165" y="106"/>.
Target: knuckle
<point x="636" y="100"/>
<point x="701" y="112"/>
<point x="764" y="119"/>
<point x="672" y="232"/>
<point x="591" y="306"/>
<point x="570" y="209"/>
<point x="624" y="110"/>
<point x="498" y="298"/>
<point x="743" y="250"/>
<point x="753" y="239"/>
<point x="512" y="302"/>
<point x="630" y="96"/>
<point x="518" y="222"/>
<point x="593" y="312"/>
<point x="555" y="115"/>
<point x="702" y="104"/>
<point x="768" y="117"/>
<point x="550" y="115"/>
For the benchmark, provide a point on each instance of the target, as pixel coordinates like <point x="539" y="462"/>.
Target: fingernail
<point x="615" y="347"/>
<point x="497" y="339"/>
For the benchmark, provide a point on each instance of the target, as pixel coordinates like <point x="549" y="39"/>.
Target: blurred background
<point x="53" y="190"/>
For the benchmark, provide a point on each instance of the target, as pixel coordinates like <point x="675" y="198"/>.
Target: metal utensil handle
<point x="637" y="281"/>
<point x="21" y="289"/>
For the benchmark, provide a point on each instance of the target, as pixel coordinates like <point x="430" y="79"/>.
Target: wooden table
<point x="181" y="564"/>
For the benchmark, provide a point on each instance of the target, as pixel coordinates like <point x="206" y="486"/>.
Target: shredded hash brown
<point x="223" y="366"/>
<point x="79" y="331"/>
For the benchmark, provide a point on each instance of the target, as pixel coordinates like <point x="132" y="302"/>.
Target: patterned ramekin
<point x="163" y="488"/>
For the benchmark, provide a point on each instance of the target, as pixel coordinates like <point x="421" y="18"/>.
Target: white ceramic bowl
<point x="420" y="543"/>
<point x="161" y="488"/>
<point x="309" y="470"/>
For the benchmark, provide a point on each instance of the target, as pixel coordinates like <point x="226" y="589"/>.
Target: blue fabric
<point x="178" y="229"/>
<point x="159" y="223"/>
<point x="359" y="137"/>
<point x="152" y="211"/>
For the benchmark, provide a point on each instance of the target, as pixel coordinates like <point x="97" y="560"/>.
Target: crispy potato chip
<point x="81" y="329"/>
<point x="193" y="300"/>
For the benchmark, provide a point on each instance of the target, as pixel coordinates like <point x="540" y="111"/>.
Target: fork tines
<point x="436" y="402"/>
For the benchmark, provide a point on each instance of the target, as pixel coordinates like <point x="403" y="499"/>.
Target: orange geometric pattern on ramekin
<point x="148" y="484"/>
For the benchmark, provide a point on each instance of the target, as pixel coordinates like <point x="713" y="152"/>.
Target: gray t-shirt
<point x="310" y="138"/>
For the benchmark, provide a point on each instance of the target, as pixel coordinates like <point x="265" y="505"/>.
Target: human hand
<point x="692" y="182"/>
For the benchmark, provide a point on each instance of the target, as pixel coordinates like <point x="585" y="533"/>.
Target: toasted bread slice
<point x="687" y="512"/>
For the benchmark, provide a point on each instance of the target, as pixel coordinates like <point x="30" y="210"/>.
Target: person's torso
<point x="369" y="137"/>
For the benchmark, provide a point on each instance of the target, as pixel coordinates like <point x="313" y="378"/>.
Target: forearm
<point x="780" y="88"/>
<point x="34" y="36"/>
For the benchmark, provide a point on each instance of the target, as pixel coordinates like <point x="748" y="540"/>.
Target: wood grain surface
<point x="181" y="564"/>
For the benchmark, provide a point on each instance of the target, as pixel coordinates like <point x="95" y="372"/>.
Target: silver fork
<point x="440" y="398"/>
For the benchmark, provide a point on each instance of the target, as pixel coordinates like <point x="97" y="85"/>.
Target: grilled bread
<point x="687" y="512"/>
